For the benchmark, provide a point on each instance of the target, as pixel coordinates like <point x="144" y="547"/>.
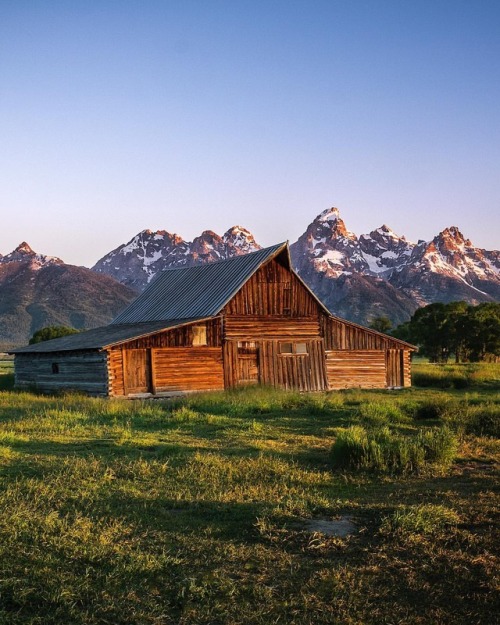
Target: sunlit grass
<point x="192" y="511"/>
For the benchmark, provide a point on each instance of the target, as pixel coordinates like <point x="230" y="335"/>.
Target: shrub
<point x="383" y="450"/>
<point x="433" y="409"/>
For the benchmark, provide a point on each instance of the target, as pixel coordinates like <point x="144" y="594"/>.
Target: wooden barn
<point x="246" y="320"/>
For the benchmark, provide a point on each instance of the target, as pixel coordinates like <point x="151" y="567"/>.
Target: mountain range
<point x="358" y="277"/>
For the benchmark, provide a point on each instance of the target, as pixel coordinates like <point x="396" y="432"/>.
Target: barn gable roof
<point x="199" y="291"/>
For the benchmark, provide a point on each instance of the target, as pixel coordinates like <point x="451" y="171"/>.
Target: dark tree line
<point x="468" y="333"/>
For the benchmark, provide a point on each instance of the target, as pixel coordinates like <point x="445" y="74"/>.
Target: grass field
<point x="200" y="511"/>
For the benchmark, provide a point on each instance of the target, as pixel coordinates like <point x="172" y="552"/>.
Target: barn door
<point x="248" y="362"/>
<point x="394" y="368"/>
<point x="137" y="371"/>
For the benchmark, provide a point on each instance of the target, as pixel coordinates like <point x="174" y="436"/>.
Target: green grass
<point x="192" y="511"/>
<point x="459" y="376"/>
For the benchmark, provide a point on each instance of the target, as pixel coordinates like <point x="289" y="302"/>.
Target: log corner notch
<point x="247" y="320"/>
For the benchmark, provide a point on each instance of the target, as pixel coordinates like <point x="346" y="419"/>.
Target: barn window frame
<point x="200" y="336"/>
<point x="287" y="348"/>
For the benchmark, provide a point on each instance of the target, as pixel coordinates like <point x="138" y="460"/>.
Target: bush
<point x="433" y="409"/>
<point x="383" y="450"/>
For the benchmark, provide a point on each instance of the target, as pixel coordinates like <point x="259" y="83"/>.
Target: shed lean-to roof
<point x="99" y="338"/>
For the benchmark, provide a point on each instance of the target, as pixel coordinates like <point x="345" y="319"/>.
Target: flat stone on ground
<point x="340" y="527"/>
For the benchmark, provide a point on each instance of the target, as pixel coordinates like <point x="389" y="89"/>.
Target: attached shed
<point x="246" y="320"/>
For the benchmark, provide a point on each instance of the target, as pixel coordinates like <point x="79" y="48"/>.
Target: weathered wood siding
<point x="179" y="337"/>
<point x="356" y="368"/>
<point x="61" y="371"/>
<point x="304" y="372"/>
<point x="407" y="367"/>
<point x="251" y="327"/>
<point x="172" y="363"/>
<point x="273" y="290"/>
<point x="187" y="369"/>
<point x="339" y="334"/>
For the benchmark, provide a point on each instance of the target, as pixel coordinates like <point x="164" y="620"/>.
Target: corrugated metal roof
<point x="200" y="291"/>
<point x="99" y="338"/>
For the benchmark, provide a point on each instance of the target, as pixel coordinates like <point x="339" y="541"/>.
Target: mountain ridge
<point x="357" y="277"/>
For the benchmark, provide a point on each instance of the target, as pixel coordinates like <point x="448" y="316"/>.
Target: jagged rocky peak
<point x="384" y="250"/>
<point x="24" y="254"/>
<point x="209" y="245"/>
<point x="452" y="239"/>
<point x="330" y="247"/>
<point x="241" y="240"/>
<point x="330" y="223"/>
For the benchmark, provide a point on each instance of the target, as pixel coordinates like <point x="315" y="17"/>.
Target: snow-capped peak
<point x="329" y="215"/>
<point x="24" y="253"/>
<point x="242" y="239"/>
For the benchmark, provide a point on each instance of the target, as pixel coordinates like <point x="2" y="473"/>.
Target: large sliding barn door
<point x="137" y="371"/>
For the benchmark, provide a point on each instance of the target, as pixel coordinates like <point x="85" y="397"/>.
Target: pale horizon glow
<point x="116" y="117"/>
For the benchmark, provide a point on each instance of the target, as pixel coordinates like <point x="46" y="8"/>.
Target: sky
<point x="185" y="115"/>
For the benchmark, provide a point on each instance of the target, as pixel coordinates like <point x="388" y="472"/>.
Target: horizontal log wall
<point x="254" y="327"/>
<point x="79" y="371"/>
<point x="187" y="369"/>
<point x="407" y="367"/>
<point x="116" y="383"/>
<point x="356" y="369"/>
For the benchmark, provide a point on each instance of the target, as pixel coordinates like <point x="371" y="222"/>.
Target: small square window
<point x="199" y="335"/>
<point x="301" y="348"/>
<point x="286" y="348"/>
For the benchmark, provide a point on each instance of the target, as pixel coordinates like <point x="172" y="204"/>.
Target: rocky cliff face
<point x="389" y="275"/>
<point x="348" y="273"/>
<point x="38" y="291"/>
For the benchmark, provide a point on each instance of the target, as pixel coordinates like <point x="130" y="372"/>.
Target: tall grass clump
<point x="386" y="451"/>
<point x="477" y="420"/>
<point x="378" y="413"/>
<point x="424" y="519"/>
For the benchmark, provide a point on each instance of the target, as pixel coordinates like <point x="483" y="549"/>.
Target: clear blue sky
<point x="116" y="116"/>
